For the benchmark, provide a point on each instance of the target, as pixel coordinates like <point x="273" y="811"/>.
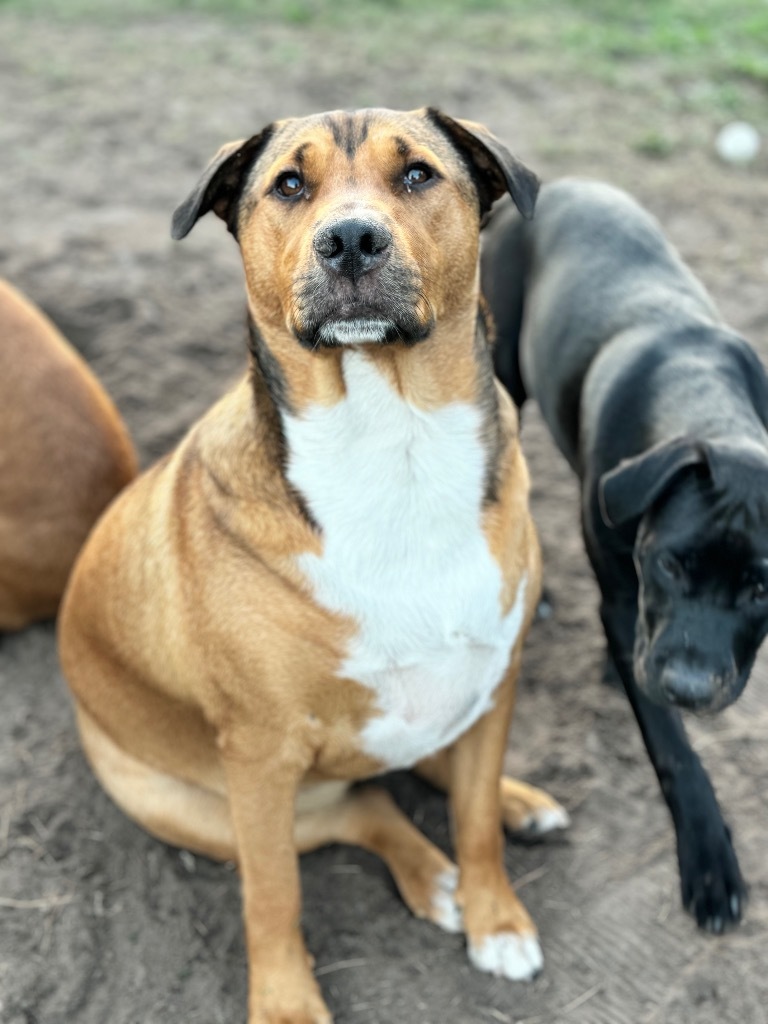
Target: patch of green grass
<point x="753" y="66"/>
<point x="654" y="144"/>
<point x="677" y="43"/>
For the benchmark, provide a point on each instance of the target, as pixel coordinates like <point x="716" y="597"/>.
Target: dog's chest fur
<point x="398" y="494"/>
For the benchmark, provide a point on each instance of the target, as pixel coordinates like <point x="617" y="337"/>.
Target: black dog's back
<point x="589" y="266"/>
<point x="503" y="263"/>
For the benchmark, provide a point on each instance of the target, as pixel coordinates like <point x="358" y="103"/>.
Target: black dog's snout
<point x="352" y="247"/>
<point x="688" y="687"/>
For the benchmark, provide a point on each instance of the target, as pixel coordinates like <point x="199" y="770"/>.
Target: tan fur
<point x="205" y="675"/>
<point x="520" y="803"/>
<point x="437" y="226"/>
<point x="64" y="454"/>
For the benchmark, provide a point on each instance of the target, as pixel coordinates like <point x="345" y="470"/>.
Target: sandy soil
<point x="103" y="130"/>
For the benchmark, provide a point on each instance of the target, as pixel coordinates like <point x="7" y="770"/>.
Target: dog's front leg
<point x="262" y="780"/>
<point x="712" y="888"/>
<point x="501" y="936"/>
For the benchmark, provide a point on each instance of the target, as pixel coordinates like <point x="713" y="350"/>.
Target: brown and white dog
<point x="64" y="454"/>
<point x="333" y="573"/>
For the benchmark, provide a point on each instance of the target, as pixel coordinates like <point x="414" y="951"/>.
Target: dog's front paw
<point x="501" y="937"/>
<point x="507" y="955"/>
<point x="314" y="1012"/>
<point x="712" y="888"/>
<point x="286" y="997"/>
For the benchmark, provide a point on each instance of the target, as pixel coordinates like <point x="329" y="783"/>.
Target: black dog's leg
<point x="611" y="675"/>
<point x="713" y="890"/>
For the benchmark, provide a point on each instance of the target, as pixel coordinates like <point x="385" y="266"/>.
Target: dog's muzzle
<point x="689" y="686"/>
<point x="687" y="682"/>
<point x="363" y="289"/>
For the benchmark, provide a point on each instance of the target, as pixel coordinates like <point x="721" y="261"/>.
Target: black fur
<point x="349" y="130"/>
<point x="493" y="168"/>
<point x="661" y="409"/>
<point x="270" y="395"/>
<point x="493" y="439"/>
<point x="220" y="186"/>
<point x="269" y="368"/>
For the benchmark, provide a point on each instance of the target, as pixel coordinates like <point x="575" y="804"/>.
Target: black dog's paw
<point x="712" y="888"/>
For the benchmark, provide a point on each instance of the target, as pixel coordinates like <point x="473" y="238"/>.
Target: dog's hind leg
<point x="197" y="818"/>
<point x="368" y="817"/>
<point x="177" y="812"/>
<point x="526" y="811"/>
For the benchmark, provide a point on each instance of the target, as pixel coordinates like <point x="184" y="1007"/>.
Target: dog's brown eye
<point x="290" y="184"/>
<point x="417" y="174"/>
<point x="759" y="591"/>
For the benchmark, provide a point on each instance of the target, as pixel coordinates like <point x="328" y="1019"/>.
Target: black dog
<point x="662" y="411"/>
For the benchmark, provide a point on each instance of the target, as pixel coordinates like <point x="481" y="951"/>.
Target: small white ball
<point x="737" y="143"/>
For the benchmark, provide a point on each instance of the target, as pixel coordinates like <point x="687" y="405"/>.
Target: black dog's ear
<point x="630" y="489"/>
<point x="219" y="185"/>
<point x="735" y="466"/>
<point x="496" y="171"/>
<point x="739" y="472"/>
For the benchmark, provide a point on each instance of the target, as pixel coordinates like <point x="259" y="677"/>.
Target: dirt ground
<point x="102" y="132"/>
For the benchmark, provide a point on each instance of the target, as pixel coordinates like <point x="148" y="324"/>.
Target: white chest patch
<point x="398" y="494"/>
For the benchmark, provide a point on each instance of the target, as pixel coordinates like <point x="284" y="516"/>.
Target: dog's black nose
<point x="688" y="687"/>
<point x="353" y="247"/>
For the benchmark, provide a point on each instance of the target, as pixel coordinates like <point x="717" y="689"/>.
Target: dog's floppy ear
<point x="219" y="185"/>
<point x="630" y="489"/>
<point x="736" y="465"/>
<point x="494" y="168"/>
<point x="739" y="472"/>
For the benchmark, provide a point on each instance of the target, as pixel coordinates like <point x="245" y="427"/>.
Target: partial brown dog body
<point x="333" y="573"/>
<point x="64" y="454"/>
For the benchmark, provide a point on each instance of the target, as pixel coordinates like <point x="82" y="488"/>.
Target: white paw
<point x="545" y="819"/>
<point x="446" y="913"/>
<point x="507" y="955"/>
